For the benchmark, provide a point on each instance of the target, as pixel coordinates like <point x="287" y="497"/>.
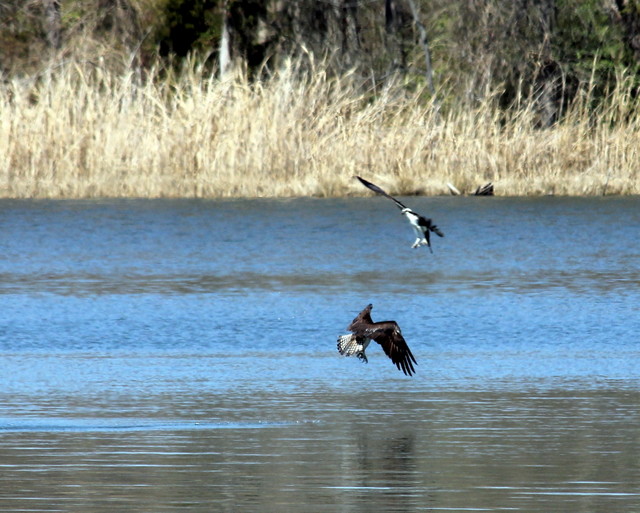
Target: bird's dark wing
<point x="388" y="335"/>
<point x="362" y="321"/>
<point x="377" y="189"/>
<point x="428" y="224"/>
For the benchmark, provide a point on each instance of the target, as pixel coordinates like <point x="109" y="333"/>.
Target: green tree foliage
<point x="586" y="34"/>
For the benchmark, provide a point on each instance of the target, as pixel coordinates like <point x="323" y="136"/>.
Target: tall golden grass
<point x="79" y="132"/>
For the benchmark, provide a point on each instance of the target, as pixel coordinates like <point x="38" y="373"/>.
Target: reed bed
<point x="79" y="132"/>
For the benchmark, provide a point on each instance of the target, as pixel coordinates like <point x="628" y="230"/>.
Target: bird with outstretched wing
<point x="386" y="333"/>
<point x="422" y="226"/>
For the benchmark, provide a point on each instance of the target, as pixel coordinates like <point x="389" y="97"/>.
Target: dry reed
<point x="78" y="132"/>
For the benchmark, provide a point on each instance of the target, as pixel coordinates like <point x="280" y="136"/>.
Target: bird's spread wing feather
<point x="378" y="190"/>
<point x="428" y="224"/>
<point x="388" y="335"/>
<point x="362" y="321"/>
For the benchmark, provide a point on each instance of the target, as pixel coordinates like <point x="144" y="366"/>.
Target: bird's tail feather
<point x="351" y="345"/>
<point x="436" y="230"/>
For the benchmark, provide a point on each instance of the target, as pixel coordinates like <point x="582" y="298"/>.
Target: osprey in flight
<point x="421" y="225"/>
<point x="385" y="333"/>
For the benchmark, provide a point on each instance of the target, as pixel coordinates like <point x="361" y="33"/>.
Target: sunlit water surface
<point x="180" y="356"/>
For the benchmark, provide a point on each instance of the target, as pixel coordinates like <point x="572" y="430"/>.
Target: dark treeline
<point x="464" y="49"/>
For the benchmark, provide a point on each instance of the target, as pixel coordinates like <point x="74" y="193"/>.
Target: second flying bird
<point x="421" y="225"/>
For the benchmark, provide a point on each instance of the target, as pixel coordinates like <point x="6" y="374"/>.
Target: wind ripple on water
<point x="535" y="281"/>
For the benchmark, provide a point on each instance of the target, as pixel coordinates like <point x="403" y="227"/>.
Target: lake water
<point x="161" y="356"/>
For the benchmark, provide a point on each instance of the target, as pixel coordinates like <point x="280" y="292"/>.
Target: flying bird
<point x="421" y="225"/>
<point x="385" y="333"/>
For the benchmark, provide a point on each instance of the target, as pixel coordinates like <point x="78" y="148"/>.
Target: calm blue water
<point x="180" y="355"/>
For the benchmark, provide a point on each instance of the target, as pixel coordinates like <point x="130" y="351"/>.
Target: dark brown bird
<point x="422" y="226"/>
<point x="385" y="333"/>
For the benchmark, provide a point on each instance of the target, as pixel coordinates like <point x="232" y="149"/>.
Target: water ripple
<point x="85" y="283"/>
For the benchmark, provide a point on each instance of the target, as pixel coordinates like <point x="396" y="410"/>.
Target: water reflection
<point x="403" y="452"/>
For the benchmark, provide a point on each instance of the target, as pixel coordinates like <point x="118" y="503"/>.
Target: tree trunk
<point x="393" y="38"/>
<point x="424" y="42"/>
<point x="224" y="52"/>
<point x="350" y="26"/>
<point x="629" y="16"/>
<point x="52" y="23"/>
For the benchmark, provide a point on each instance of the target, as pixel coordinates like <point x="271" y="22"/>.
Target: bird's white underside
<point x="413" y="219"/>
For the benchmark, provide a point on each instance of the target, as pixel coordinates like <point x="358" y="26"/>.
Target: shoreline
<point x="227" y="197"/>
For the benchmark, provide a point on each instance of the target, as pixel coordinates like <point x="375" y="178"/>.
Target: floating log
<point x="484" y="190"/>
<point x="453" y="190"/>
